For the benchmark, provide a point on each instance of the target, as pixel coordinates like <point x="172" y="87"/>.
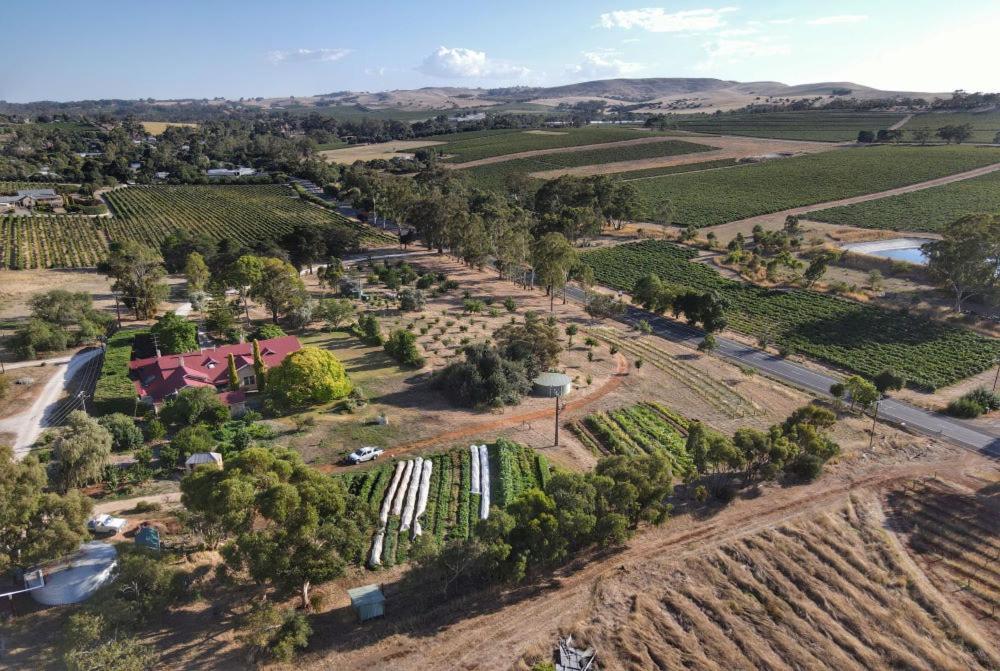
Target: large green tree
<point x="290" y="525"/>
<point x="80" y="450"/>
<point x="309" y="376"/>
<point x="966" y="260"/>
<point x="279" y="287"/>
<point x="175" y="334"/>
<point x="137" y="273"/>
<point x="35" y="524"/>
<point x="553" y="258"/>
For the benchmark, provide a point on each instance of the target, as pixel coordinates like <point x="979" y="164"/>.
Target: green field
<point x="452" y="510"/>
<point x="640" y="429"/>
<point x="925" y="211"/>
<point x="820" y="126"/>
<point x="855" y="336"/>
<point x="646" y="173"/>
<point x="463" y="147"/>
<point x="719" y="196"/>
<point x="985" y="126"/>
<point x="494" y="175"/>
<point x="150" y="213"/>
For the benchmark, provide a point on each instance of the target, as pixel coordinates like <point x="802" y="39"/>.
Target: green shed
<point x="148" y="537"/>
<point x="368" y="601"/>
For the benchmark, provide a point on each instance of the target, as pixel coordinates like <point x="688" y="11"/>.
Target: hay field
<point x="370" y="152"/>
<point x="833" y="591"/>
<point x="157" y="127"/>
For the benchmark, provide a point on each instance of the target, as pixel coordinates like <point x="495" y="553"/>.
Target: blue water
<point x="908" y="254"/>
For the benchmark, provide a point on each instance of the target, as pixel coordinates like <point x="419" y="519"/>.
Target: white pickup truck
<point x="105" y="523"/>
<point x="363" y="454"/>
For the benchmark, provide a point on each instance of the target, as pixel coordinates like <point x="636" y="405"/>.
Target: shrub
<point x="510" y="304"/>
<point x="195" y="405"/>
<point x="307" y="377"/>
<point x="174" y="334"/>
<point x="38" y="336"/>
<point x="368" y="330"/>
<point x="125" y="435"/>
<point x="473" y="305"/>
<point x="411" y="300"/>
<point x="402" y="346"/>
<point x="974" y="404"/>
<point x="485" y="378"/>
<point x="154" y="430"/>
<point x="114" y="391"/>
<point x="267" y="331"/>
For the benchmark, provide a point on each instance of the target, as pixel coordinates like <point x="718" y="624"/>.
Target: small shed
<point x="148" y="537"/>
<point x="199" y="458"/>
<point x="368" y="601"/>
<point x="552" y="385"/>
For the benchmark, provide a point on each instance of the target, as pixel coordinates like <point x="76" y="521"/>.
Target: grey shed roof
<point x="368" y="594"/>
<point x="36" y="193"/>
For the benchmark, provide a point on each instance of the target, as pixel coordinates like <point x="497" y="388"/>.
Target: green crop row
<point x="823" y="126"/>
<point x="494" y="176"/>
<point x="718" y="196"/>
<point x="464" y="147"/>
<point x="928" y="210"/>
<point x="636" y="430"/>
<point x="860" y="338"/>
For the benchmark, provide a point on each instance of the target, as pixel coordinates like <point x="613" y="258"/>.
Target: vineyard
<point x="861" y="338"/>
<point x="463" y="147"/>
<point x="718" y="196"/>
<point x="639" y="429"/>
<point x="822" y="126"/>
<point x="716" y="393"/>
<point x="493" y="176"/>
<point x="927" y="211"/>
<point x="958" y="536"/>
<point x="452" y="507"/>
<point x="985" y="125"/>
<point x="828" y="591"/>
<point x="150" y="214"/>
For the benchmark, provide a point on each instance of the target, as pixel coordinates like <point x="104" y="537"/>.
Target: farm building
<point x="148" y="537"/>
<point x="160" y="377"/>
<point x="367" y="601"/>
<point x="230" y="172"/>
<point x="199" y="458"/>
<point x="32" y="197"/>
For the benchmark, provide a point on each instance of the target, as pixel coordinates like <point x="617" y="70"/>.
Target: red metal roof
<point x="159" y="377"/>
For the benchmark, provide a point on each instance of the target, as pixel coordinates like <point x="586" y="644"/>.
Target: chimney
<point x="180" y="360"/>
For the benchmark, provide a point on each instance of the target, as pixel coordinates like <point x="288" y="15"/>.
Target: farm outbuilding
<point x="551" y="385"/>
<point x="148" y="537"/>
<point x="199" y="458"/>
<point x="367" y="601"/>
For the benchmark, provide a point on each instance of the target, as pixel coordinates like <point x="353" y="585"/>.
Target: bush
<point x="38" y="336"/>
<point x="175" y="334"/>
<point x="368" y="330"/>
<point x="154" y="430"/>
<point x="402" y="346"/>
<point x="485" y="378"/>
<point x="309" y="376"/>
<point x="188" y="441"/>
<point x="197" y="405"/>
<point x="510" y="304"/>
<point x="411" y="300"/>
<point x="267" y="331"/>
<point x="125" y="435"/>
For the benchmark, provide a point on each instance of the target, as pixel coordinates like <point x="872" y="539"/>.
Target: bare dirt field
<point x="694" y="574"/>
<point x="545" y="132"/>
<point x="18" y="286"/>
<point x="728" y="147"/>
<point x="370" y="152"/>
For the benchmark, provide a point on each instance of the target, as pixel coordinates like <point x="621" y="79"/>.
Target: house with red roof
<point x="159" y="378"/>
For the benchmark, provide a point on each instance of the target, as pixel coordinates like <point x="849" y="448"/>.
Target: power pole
<point x="997" y="377"/>
<point x="118" y="311"/>
<point x="557" y="421"/>
<point x="871" y="441"/>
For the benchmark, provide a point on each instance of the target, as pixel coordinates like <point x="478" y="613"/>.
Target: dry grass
<point x="157" y="127"/>
<point x="370" y="152"/>
<point x="831" y="591"/>
<point x="956" y="535"/>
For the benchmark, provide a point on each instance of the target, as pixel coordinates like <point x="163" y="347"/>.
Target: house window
<point x="249" y="380"/>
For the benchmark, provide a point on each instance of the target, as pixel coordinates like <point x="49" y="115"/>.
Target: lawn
<point x="494" y="175"/>
<point x="718" y="196"/>
<point x="925" y="211"/>
<point x="822" y="126"/>
<point x="463" y="147"/>
<point x="860" y="338"/>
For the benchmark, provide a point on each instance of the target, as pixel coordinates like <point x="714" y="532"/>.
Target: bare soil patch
<point x="545" y="132"/>
<point x="370" y="152"/>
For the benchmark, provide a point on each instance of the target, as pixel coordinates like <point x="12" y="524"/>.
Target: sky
<point x="72" y="50"/>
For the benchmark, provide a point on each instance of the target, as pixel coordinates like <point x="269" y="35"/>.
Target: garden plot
<point x="443" y="494"/>
<point x="644" y="428"/>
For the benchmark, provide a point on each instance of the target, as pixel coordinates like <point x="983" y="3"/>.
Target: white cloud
<point x="737" y="32"/>
<point x="602" y="64"/>
<point x="840" y="18"/>
<point x="306" y="55"/>
<point x="458" y="63"/>
<point x="657" y="20"/>
<point x="376" y="72"/>
<point x="781" y="22"/>
<point x="726" y="51"/>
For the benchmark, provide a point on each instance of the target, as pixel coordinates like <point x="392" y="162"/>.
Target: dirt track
<point x="775" y="220"/>
<point x="496" y="634"/>
<point x="728" y="147"/>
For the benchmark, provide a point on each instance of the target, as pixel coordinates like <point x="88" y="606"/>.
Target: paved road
<point x="923" y="421"/>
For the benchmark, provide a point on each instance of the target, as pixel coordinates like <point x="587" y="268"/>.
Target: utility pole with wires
<point x="871" y="441"/>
